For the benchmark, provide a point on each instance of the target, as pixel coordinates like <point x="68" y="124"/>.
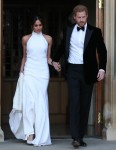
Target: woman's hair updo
<point x="35" y="18"/>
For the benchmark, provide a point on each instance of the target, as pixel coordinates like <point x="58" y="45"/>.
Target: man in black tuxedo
<point x="86" y="57"/>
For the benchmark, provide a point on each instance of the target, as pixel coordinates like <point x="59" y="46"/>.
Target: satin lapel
<point x="87" y="36"/>
<point x="69" y="35"/>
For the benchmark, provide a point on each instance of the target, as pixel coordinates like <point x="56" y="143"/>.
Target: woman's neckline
<point x="36" y="33"/>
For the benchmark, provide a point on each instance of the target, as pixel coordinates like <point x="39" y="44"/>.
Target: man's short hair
<point x="80" y="8"/>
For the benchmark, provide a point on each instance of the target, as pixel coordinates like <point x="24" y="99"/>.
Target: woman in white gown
<point x="34" y="66"/>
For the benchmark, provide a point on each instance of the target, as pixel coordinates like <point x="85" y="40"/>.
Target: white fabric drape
<point x="15" y="116"/>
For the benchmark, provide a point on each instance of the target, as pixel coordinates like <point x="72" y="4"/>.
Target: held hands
<point x="21" y="71"/>
<point x="100" y="75"/>
<point x="56" y="66"/>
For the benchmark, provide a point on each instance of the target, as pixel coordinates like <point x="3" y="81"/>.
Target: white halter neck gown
<point x="35" y="97"/>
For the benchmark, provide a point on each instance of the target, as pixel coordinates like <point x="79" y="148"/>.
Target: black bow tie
<point x="80" y="28"/>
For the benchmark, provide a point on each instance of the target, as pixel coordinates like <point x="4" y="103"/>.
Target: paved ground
<point x="59" y="144"/>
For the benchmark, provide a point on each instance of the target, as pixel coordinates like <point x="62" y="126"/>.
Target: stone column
<point x="1" y="132"/>
<point x="110" y="81"/>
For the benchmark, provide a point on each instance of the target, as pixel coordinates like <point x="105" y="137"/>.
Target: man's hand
<point x="56" y="66"/>
<point x="100" y="75"/>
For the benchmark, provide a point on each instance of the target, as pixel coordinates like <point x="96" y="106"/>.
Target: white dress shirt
<point x="77" y="46"/>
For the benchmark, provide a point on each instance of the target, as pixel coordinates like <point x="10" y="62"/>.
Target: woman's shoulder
<point x="48" y="37"/>
<point x="25" y="38"/>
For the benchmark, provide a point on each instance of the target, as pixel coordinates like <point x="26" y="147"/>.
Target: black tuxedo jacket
<point x="95" y="53"/>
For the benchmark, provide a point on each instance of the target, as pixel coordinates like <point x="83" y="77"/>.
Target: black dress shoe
<point x="82" y="143"/>
<point x="75" y="144"/>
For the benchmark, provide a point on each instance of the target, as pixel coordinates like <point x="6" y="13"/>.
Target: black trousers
<point x="79" y="100"/>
